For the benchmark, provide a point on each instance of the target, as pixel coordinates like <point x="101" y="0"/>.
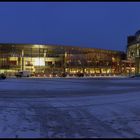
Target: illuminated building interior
<point x="54" y="60"/>
<point x="133" y="50"/>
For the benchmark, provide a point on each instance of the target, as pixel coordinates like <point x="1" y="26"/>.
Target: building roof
<point x="137" y="33"/>
<point x="61" y="45"/>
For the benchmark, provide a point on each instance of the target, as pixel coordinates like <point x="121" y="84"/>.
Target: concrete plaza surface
<point x="70" y="108"/>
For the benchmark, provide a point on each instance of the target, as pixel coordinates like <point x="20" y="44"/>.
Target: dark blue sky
<point x="87" y="24"/>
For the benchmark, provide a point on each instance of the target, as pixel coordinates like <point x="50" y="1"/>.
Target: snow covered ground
<point x="70" y="108"/>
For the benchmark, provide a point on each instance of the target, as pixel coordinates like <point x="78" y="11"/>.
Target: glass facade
<point x="54" y="60"/>
<point x="133" y="50"/>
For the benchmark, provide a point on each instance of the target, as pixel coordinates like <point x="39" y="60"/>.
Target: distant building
<point x="133" y="50"/>
<point x="57" y="60"/>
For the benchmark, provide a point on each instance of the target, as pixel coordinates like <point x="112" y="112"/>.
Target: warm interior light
<point x="39" y="62"/>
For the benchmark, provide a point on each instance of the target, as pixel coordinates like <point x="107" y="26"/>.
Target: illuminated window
<point x="39" y="62"/>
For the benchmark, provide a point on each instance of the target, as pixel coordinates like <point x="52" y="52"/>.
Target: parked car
<point x="2" y="76"/>
<point x="135" y="76"/>
<point x="40" y="75"/>
<point x="79" y="74"/>
<point x="63" y="74"/>
<point x="23" y="74"/>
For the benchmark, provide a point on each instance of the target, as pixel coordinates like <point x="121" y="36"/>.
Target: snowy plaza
<point x="70" y="108"/>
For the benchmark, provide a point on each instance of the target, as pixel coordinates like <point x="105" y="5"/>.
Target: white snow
<point x="70" y="108"/>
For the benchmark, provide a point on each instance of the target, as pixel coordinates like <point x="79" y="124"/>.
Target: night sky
<point x="87" y="24"/>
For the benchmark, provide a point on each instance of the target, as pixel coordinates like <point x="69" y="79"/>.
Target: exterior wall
<point x="93" y="61"/>
<point x="133" y="51"/>
<point x="38" y="59"/>
<point x="51" y="60"/>
<point x="133" y="55"/>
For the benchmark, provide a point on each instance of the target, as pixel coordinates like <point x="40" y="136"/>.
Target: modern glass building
<point x="133" y="50"/>
<point x="55" y="60"/>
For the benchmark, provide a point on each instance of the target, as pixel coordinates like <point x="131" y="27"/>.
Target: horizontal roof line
<point x="61" y="46"/>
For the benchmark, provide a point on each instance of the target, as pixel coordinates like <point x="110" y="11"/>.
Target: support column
<point x="22" y="60"/>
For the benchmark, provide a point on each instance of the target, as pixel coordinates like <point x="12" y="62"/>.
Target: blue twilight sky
<point x="86" y="24"/>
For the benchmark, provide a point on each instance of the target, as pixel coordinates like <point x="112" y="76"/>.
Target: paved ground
<point x="70" y="108"/>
